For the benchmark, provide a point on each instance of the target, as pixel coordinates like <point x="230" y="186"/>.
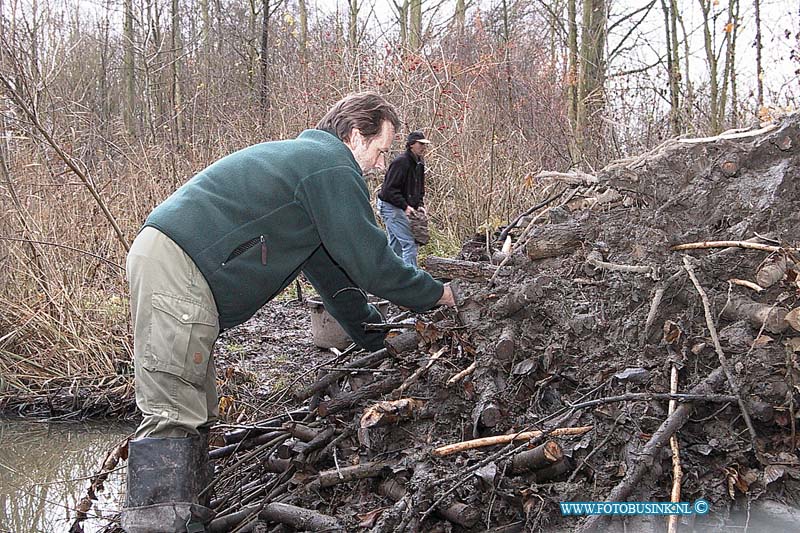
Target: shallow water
<point x="44" y="471"/>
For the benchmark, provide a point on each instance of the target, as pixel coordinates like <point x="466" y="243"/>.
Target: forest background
<point x="106" y="107"/>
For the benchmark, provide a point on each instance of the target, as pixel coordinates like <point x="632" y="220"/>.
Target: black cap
<point x="416" y="137"/>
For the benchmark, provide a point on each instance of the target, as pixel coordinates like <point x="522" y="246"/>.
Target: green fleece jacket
<point x="254" y="219"/>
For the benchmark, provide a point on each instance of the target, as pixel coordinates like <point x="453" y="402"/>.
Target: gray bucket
<point x="326" y="332"/>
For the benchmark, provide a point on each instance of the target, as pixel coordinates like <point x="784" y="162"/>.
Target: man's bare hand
<point x="447" y="297"/>
<point x="409" y="210"/>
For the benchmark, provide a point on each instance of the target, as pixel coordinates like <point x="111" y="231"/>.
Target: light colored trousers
<point x="398" y="229"/>
<point x="175" y="325"/>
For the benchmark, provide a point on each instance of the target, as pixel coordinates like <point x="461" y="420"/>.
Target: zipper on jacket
<point x="242" y="248"/>
<point x="263" y="251"/>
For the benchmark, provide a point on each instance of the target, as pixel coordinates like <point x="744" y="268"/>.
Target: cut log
<point x="404" y="342"/>
<point x="386" y="413"/>
<point x="517" y="260"/>
<point x="367" y="392"/>
<point x="457" y="513"/>
<point x="335" y="476"/>
<point x="555" y="240"/>
<point x="551" y="472"/>
<point x="542" y="456"/>
<point x="486" y="413"/>
<point x="515" y="301"/>
<point x="772" y="271"/>
<point x="442" y="268"/>
<point x="504" y="349"/>
<point x="275" y="464"/>
<point x="304" y="449"/>
<point x="743" y="308"/>
<point x="301" y="431"/>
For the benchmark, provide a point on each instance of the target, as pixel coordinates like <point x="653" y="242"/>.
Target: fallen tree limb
<point x="295" y="517"/>
<point x="457" y="513"/>
<point x="367" y="392"/>
<point x="576" y="177"/>
<point x="442" y="268"/>
<point x="556" y="239"/>
<point x="457" y="447"/>
<point x="730" y="244"/>
<point x="464" y="373"/>
<point x="366" y="361"/>
<point x="677" y="471"/>
<point x="733" y="134"/>
<point x="515" y="301"/>
<point x="604" y="265"/>
<point x="649" y="396"/>
<point x="771" y="317"/>
<point x="749" y="284"/>
<point x="513" y="224"/>
<point x="247" y="444"/>
<point x="652" y="448"/>
<point x="398" y="392"/>
<point x="523" y="238"/>
<point x="386" y="413"/>
<point x="718" y="347"/>
<point x="329" y="478"/>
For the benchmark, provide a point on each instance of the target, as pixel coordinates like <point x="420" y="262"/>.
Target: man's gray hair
<point x="366" y="111"/>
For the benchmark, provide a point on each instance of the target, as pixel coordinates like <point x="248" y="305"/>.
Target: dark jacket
<point x="404" y="183"/>
<point x="254" y="219"/>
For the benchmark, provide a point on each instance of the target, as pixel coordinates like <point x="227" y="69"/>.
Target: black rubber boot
<point x="165" y="480"/>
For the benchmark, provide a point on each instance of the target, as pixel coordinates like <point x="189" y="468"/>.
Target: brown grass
<point x="63" y="305"/>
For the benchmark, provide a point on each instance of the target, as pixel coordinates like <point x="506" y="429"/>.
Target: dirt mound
<point x="626" y="362"/>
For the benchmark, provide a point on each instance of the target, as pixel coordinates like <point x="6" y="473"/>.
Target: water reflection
<point x="44" y="470"/>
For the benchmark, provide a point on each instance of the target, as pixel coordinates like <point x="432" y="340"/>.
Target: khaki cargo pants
<point x="175" y="325"/>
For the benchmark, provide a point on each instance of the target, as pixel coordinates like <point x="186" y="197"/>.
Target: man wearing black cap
<point x="402" y="196"/>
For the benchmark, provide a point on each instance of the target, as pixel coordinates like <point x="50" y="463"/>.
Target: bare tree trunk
<point x="507" y="59"/>
<point x="759" y="69"/>
<point x="572" y="78"/>
<point x="402" y="18"/>
<point x="264" y="85"/>
<point x="711" y="59"/>
<point x="731" y="67"/>
<point x="252" y="49"/>
<point x="352" y="27"/>
<point x="301" y="4"/>
<point x="175" y="89"/>
<point x="128" y="43"/>
<point x="591" y="85"/>
<point x="105" y="54"/>
<point x="688" y="101"/>
<point x="460" y="16"/>
<point x="673" y="64"/>
<point x="415" y="29"/>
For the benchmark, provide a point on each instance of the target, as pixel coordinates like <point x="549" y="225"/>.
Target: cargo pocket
<point x="182" y="335"/>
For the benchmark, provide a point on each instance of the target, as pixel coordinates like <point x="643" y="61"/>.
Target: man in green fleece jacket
<point x="222" y="246"/>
